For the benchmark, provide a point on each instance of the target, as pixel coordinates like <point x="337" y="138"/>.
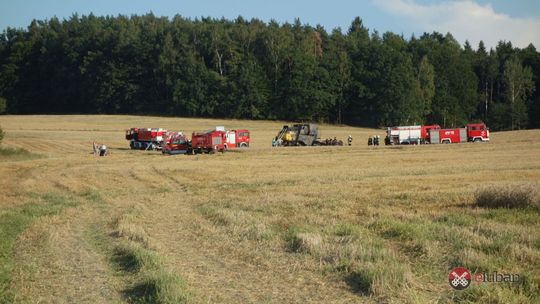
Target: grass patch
<point x="155" y="284"/>
<point x="457" y="219"/>
<point x="378" y="279"/>
<point x="17" y="154"/>
<point x="306" y="242"/>
<point x="492" y="293"/>
<point x="12" y="223"/>
<point x="356" y="254"/>
<point x="516" y="197"/>
<point x="512" y="216"/>
<point x="236" y="222"/>
<point x="402" y="230"/>
<point x="132" y="258"/>
<point x="125" y="228"/>
<point x="93" y="196"/>
<point x="159" y="287"/>
<point x="345" y="229"/>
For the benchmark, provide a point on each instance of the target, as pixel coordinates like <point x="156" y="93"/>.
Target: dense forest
<point x="264" y="70"/>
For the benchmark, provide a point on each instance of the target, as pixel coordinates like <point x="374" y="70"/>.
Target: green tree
<point x="337" y="63"/>
<point x="486" y="68"/>
<point x="251" y="69"/>
<point x="519" y="85"/>
<point x="531" y="57"/>
<point x="392" y="84"/>
<point x="456" y="84"/>
<point x="425" y="87"/>
<point x="3" y="105"/>
<point x="358" y="92"/>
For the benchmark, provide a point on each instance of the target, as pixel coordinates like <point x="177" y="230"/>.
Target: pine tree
<point x="519" y="82"/>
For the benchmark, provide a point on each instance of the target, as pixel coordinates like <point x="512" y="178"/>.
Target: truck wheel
<point x="477" y="140"/>
<point x="243" y="145"/>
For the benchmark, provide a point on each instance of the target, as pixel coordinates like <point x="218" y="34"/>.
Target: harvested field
<point x="274" y="225"/>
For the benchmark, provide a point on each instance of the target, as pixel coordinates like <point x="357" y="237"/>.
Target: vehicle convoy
<point x="147" y="138"/>
<point x="305" y="134"/>
<point x="216" y="140"/>
<point x="433" y="134"/>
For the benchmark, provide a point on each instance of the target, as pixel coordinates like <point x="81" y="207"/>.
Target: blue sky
<point x="517" y="21"/>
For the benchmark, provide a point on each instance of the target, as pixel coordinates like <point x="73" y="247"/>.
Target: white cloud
<point x="465" y="20"/>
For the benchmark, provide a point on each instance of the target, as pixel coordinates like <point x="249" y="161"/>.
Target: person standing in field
<point x="95" y="148"/>
<point x="349" y="140"/>
<point x="103" y="150"/>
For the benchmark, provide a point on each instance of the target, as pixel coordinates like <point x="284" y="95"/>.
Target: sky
<point x="517" y="21"/>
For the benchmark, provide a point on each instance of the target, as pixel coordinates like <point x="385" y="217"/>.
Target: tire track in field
<point x="229" y="272"/>
<point x="57" y="261"/>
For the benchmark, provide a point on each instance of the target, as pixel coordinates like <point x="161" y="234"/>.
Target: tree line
<point x="264" y="70"/>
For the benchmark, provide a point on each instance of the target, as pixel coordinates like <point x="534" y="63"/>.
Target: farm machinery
<point x="305" y="134"/>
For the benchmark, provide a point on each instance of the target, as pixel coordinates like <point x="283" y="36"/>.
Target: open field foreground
<point x="262" y="225"/>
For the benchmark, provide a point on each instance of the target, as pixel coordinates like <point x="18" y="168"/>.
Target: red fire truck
<point x="208" y="141"/>
<point x="477" y="132"/>
<point x="236" y="139"/>
<point x="177" y="143"/>
<point x="409" y="135"/>
<point x="434" y="134"/>
<point x="219" y="140"/>
<point x="146" y="138"/>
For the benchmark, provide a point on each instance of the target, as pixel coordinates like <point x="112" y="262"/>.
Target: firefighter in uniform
<point x="349" y="140"/>
<point x="103" y="150"/>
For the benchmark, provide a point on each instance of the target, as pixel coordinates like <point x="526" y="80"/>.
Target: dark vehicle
<point x="298" y="135"/>
<point x="305" y="134"/>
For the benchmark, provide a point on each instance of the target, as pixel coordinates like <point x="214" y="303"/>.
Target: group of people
<point x="100" y="150"/>
<point x="373" y="140"/>
<point x="332" y="142"/>
<point x="277" y="142"/>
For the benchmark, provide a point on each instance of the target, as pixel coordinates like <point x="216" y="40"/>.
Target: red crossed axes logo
<point x="459" y="278"/>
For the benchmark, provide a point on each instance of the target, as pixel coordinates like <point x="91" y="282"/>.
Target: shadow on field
<point x="359" y="283"/>
<point x="140" y="293"/>
<point x="125" y="260"/>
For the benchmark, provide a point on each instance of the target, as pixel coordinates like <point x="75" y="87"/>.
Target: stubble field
<point x="263" y="225"/>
